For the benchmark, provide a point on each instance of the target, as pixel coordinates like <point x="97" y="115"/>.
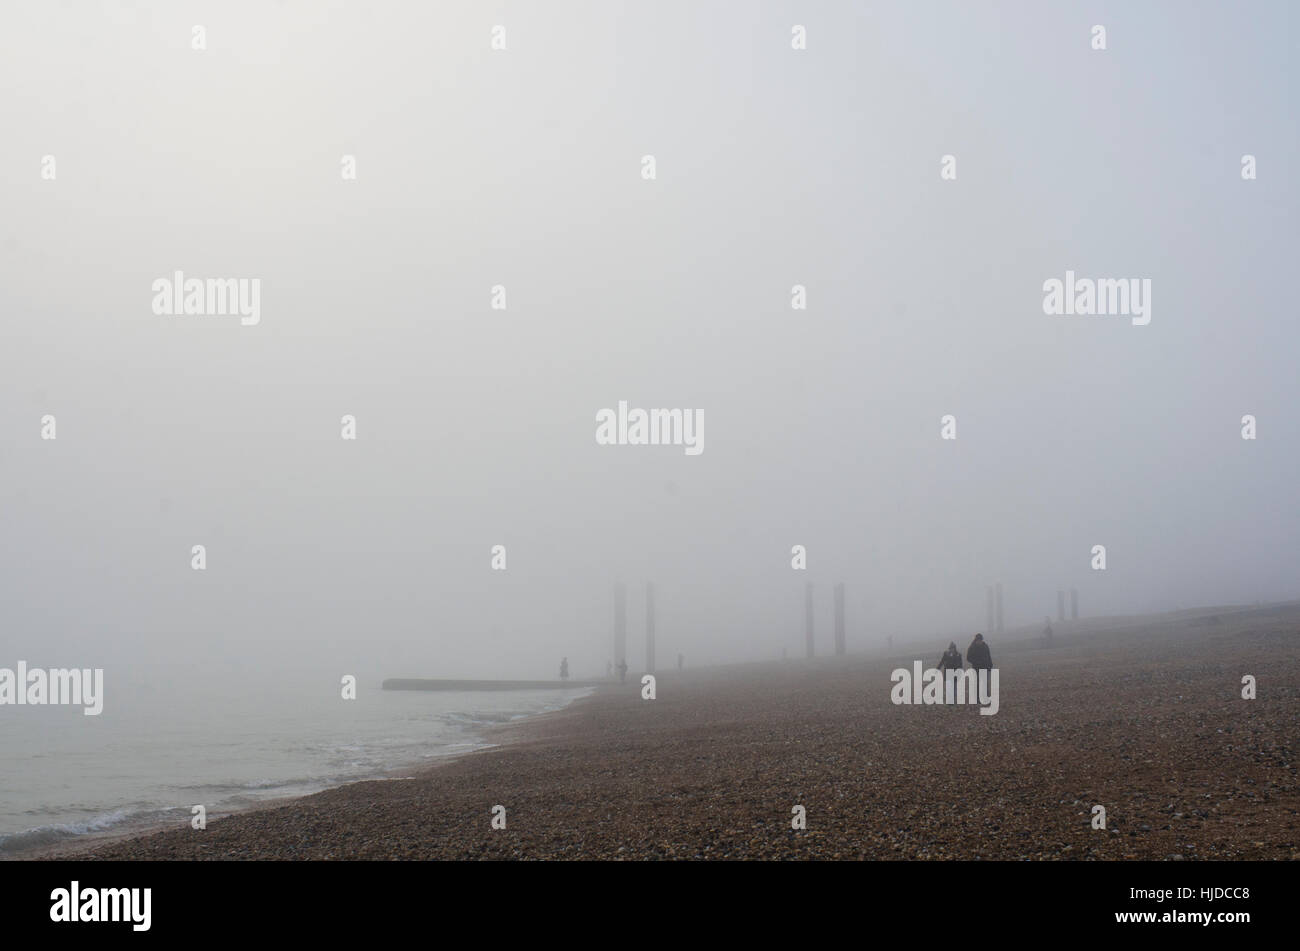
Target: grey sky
<point x="476" y="427"/>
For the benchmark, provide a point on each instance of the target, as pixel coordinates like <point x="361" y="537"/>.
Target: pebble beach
<point x="1144" y="717"/>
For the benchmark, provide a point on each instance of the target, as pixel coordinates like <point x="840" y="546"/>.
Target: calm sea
<point x="156" y="751"/>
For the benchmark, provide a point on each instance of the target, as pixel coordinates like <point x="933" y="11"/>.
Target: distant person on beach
<point x="1047" y="629"/>
<point x="564" y="668"/>
<point x="680" y="660"/>
<point x="622" y="671"/>
<point x="978" y="654"/>
<point x="951" y="660"/>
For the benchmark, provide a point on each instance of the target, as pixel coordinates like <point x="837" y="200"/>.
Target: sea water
<point x="157" y="750"/>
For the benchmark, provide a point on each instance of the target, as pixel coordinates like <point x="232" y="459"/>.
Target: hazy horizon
<point x="475" y="427"/>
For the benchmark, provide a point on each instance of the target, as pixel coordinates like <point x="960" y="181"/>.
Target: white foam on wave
<point x="58" y="832"/>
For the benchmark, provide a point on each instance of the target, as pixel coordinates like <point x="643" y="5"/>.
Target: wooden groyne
<point x="408" y="684"/>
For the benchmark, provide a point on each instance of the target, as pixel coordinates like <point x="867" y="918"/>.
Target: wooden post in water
<point x="808" y="618"/>
<point x="650" y="627"/>
<point x="839" y="618"/>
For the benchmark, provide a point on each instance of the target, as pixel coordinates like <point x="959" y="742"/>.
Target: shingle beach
<point x="1146" y="719"/>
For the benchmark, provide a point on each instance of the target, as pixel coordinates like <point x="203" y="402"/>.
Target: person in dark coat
<point x="951" y="660"/>
<point x="978" y="654"/>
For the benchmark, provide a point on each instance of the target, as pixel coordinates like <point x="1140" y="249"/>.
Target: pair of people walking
<point x="978" y="656"/>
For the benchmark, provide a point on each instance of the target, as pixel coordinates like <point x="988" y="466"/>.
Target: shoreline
<point x="1147" y="720"/>
<point x="75" y="846"/>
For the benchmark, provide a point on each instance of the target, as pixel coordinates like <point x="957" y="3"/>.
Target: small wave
<point x="51" y="834"/>
<point x="456" y="718"/>
<point x="269" y="783"/>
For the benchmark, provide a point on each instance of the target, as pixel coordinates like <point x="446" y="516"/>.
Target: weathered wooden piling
<point x="839" y="618"/>
<point x="620" y="624"/>
<point x="650" y="627"/>
<point x="808" y="618"/>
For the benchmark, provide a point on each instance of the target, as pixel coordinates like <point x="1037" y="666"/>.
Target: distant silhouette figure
<point x="890" y="640"/>
<point x="622" y="671"/>
<point x="564" y="668"/>
<point x="952" y="660"/>
<point x="609" y="668"/>
<point x="680" y="661"/>
<point x="1047" y="629"/>
<point x="978" y="654"/>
